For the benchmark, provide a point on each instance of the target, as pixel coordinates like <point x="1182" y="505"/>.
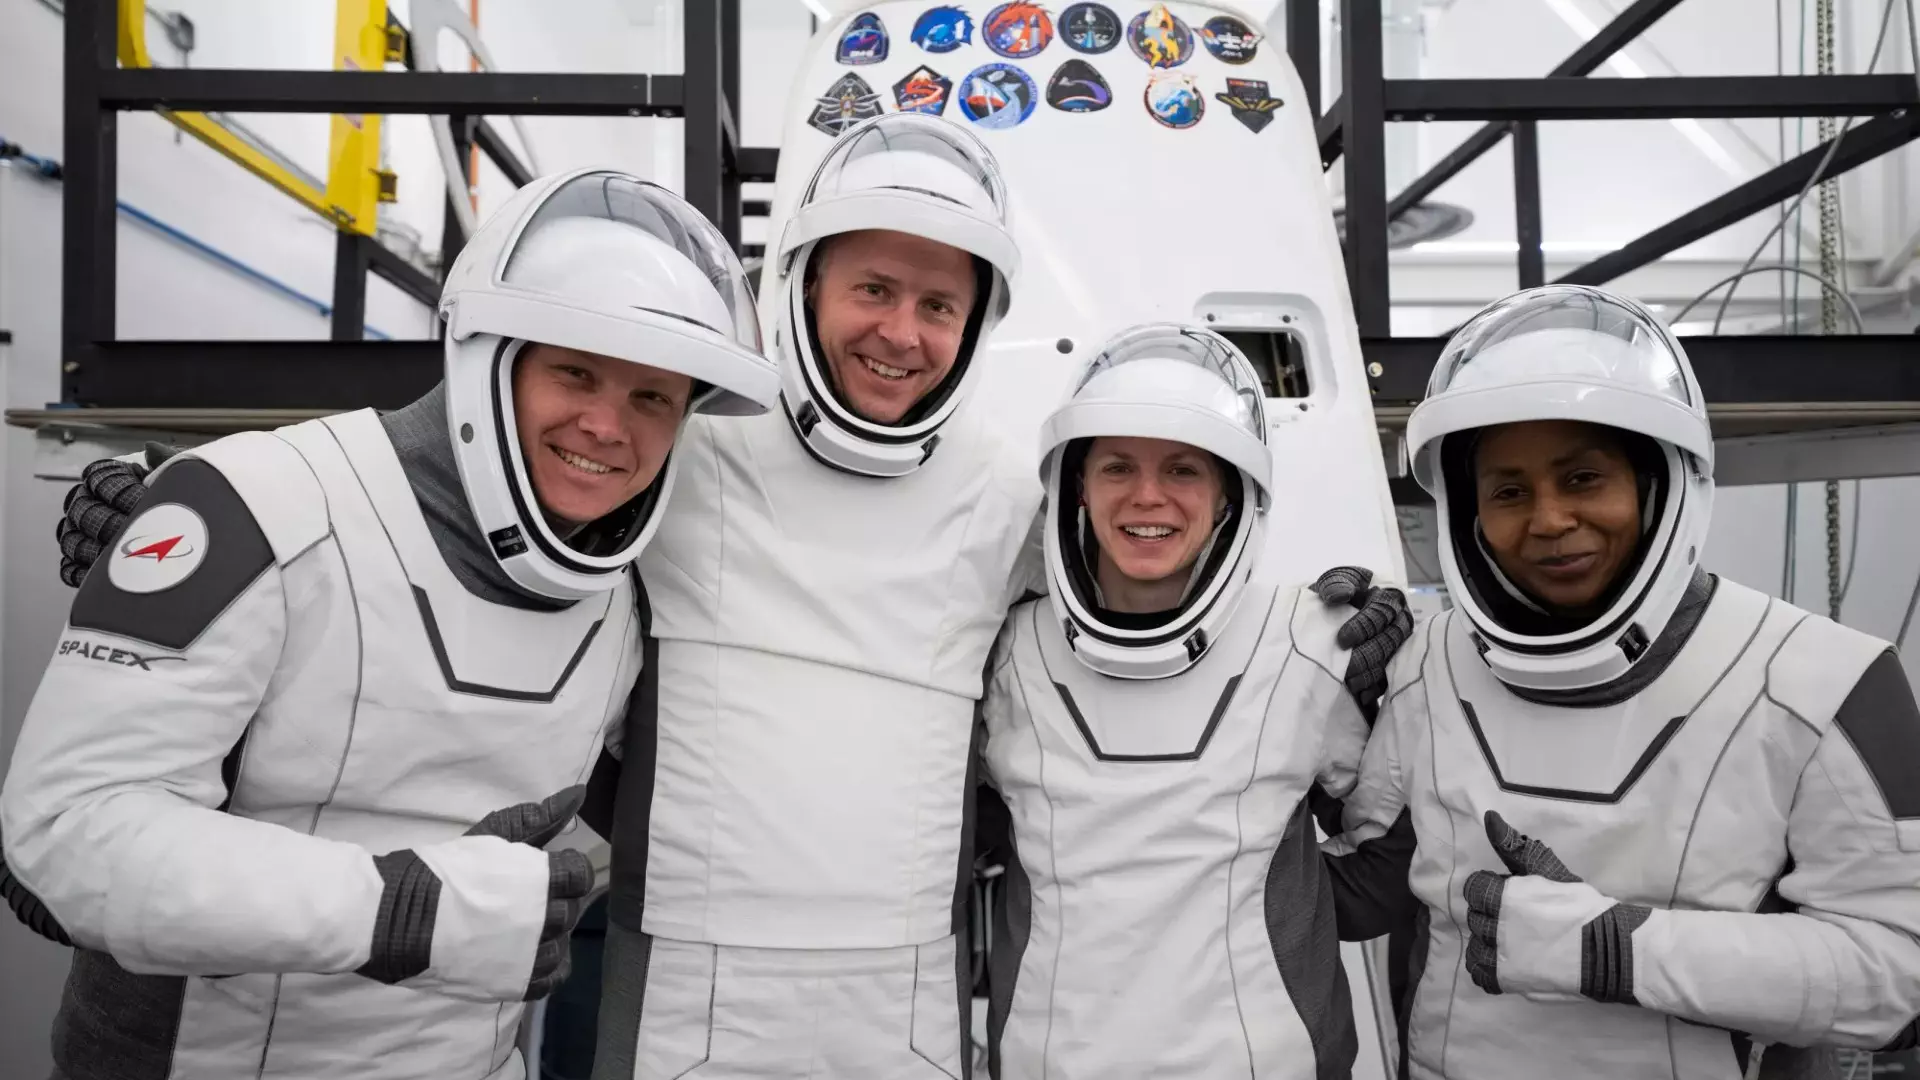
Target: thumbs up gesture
<point x="488" y="916"/>
<point x="1539" y="930"/>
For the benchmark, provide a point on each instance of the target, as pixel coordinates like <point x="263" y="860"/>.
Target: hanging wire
<point x="1912" y="598"/>
<point x="1790" y="562"/>
<point x="1853" y="543"/>
<point x="1829" y="290"/>
<point x="1913" y="52"/>
<point x="1780" y="128"/>
<point x="1799" y="147"/>
<point x="1886" y="19"/>
<point x="1833" y="267"/>
<point x="1853" y="309"/>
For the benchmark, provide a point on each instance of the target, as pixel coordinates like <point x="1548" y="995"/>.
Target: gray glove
<point x="98" y="507"/>
<point x="403" y="929"/>
<point x="1373" y="636"/>
<point x="1558" y="936"/>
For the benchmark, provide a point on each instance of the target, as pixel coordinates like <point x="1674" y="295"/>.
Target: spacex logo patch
<point x="160" y="548"/>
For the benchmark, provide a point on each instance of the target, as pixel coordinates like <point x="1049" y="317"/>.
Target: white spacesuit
<point x="249" y="784"/>
<point x="788" y="853"/>
<point x="1167" y="912"/>
<point x="1653" y="836"/>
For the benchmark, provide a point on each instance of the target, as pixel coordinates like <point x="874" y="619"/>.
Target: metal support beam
<point x="1330" y="130"/>
<point x="1829" y="375"/>
<point x="350" y="265"/>
<point x="328" y="375"/>
<point x="729" y="220"/>
<point x="1587" y="58"/>
<point x="1854" y="453"/>
<point x="705" y="107"/>
<point x="89" y="210"/>
<point x="758" y="164"/>
<point x="1745" y="369"/>
<point x="452" y="237"/>
<point x="1303" y="45"/>
<point x="488" y="139"/>
<point x="1366" y="164"/>
<point x="1648" y="99"/>
<point x="1858" y="145"/>
<point x="402" y="274"/>
<point x="498" y="93"/>
<point x="1526" y="203"/>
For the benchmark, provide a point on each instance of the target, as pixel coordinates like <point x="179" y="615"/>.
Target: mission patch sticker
<point x="1077" y="87"/>
<point x="997" y="96"/>
<point x="847" y="102"/>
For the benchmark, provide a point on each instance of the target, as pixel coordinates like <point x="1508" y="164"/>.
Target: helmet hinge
<point x="927" y="450"/>
<point x="507" y="542"/>
<point x="807" y="418"/>
<point x="1071" y="631"/>
<point x="1196" y="645"/>
<point x="1634" y="643"/>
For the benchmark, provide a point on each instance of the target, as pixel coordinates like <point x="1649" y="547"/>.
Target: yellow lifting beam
<point x="356" y="184"/>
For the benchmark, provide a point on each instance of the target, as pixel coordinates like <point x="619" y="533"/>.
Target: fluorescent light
<point x="1625" y="66"/>
<point x="1507" y="247"/>
<point x="1710" y="146"/>
<point x="1574" y="17"/>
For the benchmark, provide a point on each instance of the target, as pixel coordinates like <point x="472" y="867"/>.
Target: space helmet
<point x="1182" y="384"/>
<point x="908" y="173"/>
<point x="1571" y="353"/>
<point x="606" y="263"/>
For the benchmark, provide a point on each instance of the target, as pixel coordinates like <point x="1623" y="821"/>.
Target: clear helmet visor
<point x="912" y="155"/>
<point x="1564" y="333"/>
<point x="1230" y="389"/>
<point x="655" y="264"/>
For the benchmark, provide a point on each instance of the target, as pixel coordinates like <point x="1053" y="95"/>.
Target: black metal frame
<point x="1732" y="370"/>
<point x="345" y="371"/>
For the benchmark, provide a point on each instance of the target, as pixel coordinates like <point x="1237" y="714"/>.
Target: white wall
<point x="32" y="599"/>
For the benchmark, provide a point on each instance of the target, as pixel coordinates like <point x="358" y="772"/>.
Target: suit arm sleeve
<point x="998" y="701"/>
<point x="1369" y="861"/>
<point x="1029" y="577"/>
<point x="113" y="810"/>
<point x="637" y="695"/>
<point x="1844" y="969"/>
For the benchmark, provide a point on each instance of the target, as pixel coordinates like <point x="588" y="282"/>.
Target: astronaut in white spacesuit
<point x="1668" y="826"/>
<point x="1155" y="724"/>
<point x="260" y="789"/>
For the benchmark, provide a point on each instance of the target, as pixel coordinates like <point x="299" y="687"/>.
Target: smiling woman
<point x="1158" y="474"/>
<point x="1568" y="545"/>
<point x="1152" y="505"/>
<point x="1559" y="506"/>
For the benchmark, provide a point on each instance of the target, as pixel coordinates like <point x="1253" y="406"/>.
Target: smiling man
<point x="890" y="311"/>
<point x="790" y="844"/>
<point x="589" y="459"/>
<point x="311" y="841"/>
